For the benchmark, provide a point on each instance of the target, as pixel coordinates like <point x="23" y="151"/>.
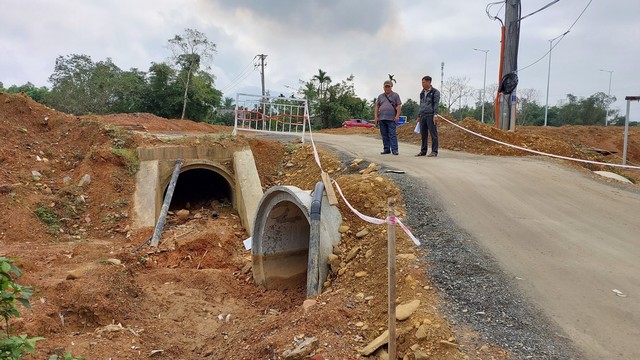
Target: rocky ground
<point x="194" y="298"/>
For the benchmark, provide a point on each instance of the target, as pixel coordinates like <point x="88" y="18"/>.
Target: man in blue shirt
<point x="387" y="113"/>
<point x="429" y="102"/>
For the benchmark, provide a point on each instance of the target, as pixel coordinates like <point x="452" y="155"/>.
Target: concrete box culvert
<point x="280" y="242"/>
<point x="156" y="168"/>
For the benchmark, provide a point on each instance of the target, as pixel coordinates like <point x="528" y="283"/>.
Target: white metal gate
<point x="271" y="114"/>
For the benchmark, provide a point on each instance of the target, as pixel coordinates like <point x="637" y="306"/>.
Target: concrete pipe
<point x="281" y="251"/>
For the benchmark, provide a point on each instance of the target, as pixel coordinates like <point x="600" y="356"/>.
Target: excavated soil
<point x="194" y="297"/>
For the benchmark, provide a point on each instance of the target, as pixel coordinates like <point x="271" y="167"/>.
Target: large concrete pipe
<point x="281" y="239"/>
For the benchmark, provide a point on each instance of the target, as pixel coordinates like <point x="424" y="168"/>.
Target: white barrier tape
<point x="394" y="220"/>
<point x="313" y="145"/>
<point x="540" y="152"/>
<point x="362" y="216"/>
<point x="373" y="220"/>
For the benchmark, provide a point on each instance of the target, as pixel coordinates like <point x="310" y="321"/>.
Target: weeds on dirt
<point x="131" y="161"/>
<point x="49" y="217"/>
<point x="13" y="347"/>
<point x="290" y="148"/>
<point x="121" y="147"/>
<point x="225" y="136"/>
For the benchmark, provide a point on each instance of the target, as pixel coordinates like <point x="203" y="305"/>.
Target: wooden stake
<point x="391" y="264"/>
<point x="328" y="187"/>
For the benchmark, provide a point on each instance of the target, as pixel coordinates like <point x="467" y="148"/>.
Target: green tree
<point x="191" y="52"/>
<point x="163" y="97"/>
<point x="584" y="111"/>
<point x="323" y="82"/>
<point x="203" y="98"/>
<point x="225" y="114"/>
<point x="37" y="94"/>
<point x="70" y="83"/>
<point x="410" y="109"/>
<point x="338" y="104"/>
<point x="81" y="86"/>
<point x="128" y="92"/>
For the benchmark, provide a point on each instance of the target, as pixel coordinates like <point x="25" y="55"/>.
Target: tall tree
<point x="191" y="52"/>
<point x="70" y="83"/>
<point x="455" y="89"/>
<point x="323" y="82"/>
<point x="527" y="106"/>
<point x="163" y="98"/>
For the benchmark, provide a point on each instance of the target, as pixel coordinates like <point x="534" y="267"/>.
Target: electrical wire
<point x="488" y="9"/>
<point x="537" y="11"/>
<point x="246" y="71"/>
<point x="241" y="76"/>
<point x="560" y="39"/>
<point x="237" y="82"/>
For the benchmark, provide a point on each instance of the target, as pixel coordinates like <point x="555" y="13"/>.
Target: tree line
<point x="184" y="87"/>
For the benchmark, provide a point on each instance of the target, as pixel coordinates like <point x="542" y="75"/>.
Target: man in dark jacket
<point x="429" y="102"/>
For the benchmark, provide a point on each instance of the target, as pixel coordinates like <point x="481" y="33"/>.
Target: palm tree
<point x="309" y="90"/>
<point x="322" y="79"/>
<point x="392" y="79"/>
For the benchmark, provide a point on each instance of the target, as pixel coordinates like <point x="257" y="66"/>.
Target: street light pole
<point x="606" y="114"/>
<point x="546" y="107"/>
<point x="484" y="82"/>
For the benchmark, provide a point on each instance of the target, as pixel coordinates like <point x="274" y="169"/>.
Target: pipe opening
<point x="198" y="188"/>
<point x="285" y="242"/>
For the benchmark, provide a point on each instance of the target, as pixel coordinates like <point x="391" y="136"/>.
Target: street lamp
<point x="484" y="83"/>
<point x="606" y="115"/>
<point x="546" y="107"/>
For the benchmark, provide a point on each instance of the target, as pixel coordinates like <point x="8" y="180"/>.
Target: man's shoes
<point x="385" y="152"/>
<point x="432" y="154"/>
<point x="395" y="153"/>
<point x="420" y="154"/>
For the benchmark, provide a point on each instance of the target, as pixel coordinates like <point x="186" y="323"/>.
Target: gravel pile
<point x="476" y="292"/>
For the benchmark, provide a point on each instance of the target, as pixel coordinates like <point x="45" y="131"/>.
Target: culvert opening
<point x="200" y="188"/>
<point x="285" y="248"/>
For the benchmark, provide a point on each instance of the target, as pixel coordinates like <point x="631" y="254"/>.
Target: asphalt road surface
<point x="570" y="237"/>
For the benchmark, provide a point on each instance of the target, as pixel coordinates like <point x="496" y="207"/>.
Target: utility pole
<point x="442" y="76"/>
<point x="506" y="116"/>
<point x="262" y="65"/>
<point x="546" y="106"/>
<point x="484" y="83"/>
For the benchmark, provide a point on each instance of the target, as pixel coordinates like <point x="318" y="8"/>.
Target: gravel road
<point x="524" y="246"/>
<point x="476" y="292"/>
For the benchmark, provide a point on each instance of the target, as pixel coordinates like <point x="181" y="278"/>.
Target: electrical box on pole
<point x="509" y="81"/>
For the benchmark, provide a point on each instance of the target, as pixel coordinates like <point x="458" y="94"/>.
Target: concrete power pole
<point x="507" y="116"/>
<point x="262" y="65"/>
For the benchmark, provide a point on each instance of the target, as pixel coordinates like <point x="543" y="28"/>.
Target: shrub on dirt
<point x="13" y="347"/>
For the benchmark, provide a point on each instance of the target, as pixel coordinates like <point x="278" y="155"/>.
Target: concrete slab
<point x="248" y="187"/>
<point x="613" y="176"/>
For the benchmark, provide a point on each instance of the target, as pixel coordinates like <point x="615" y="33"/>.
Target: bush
<point x="13" y="347"/>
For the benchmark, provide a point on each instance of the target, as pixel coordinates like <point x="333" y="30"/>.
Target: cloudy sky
<point x="367" y="39"/>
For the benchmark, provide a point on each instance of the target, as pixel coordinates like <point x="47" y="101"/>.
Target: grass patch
<point x="50" y="218"/>
<point x="130" y="159"/>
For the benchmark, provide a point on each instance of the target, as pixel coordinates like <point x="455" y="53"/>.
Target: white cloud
<point x="366" y="39"/>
